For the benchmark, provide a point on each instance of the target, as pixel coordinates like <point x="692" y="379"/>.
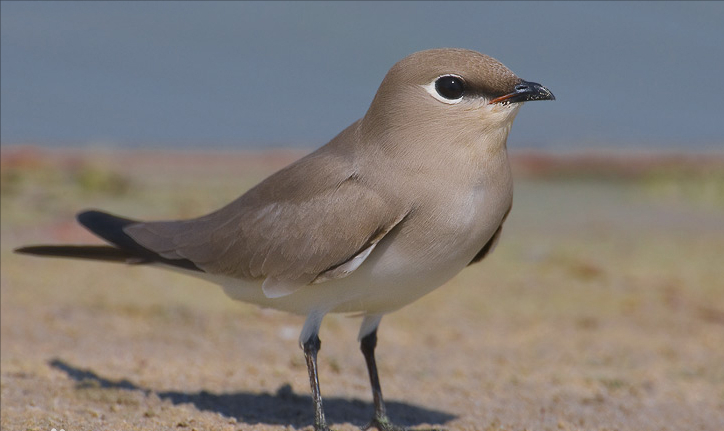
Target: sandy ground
<point x="602" y="309"/>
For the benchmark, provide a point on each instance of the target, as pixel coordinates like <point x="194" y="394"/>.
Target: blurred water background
<point x="192" y="75"/>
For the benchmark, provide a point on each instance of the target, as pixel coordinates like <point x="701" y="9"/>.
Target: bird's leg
<point x="380" y="420"/>
<point x="311" y="347"/>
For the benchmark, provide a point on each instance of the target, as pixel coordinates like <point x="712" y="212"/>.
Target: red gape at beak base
<point x="502" y="98"/>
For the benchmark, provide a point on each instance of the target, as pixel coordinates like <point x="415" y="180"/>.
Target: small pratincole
<point x="390" y="209"/>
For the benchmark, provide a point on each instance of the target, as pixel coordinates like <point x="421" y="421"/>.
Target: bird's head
<point x="445" y="95"/>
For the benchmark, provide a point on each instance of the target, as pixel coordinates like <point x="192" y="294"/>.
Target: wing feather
<point x="316" y="215"/>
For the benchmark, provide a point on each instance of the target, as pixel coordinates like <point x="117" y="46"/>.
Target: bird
<point x="390" y="209"/>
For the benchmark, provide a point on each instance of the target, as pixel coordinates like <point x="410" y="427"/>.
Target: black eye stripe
<point x="450" y="87"/>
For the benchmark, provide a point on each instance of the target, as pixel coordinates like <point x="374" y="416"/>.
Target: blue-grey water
<point x="270" y="74"/>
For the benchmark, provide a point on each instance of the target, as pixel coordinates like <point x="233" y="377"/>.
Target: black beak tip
<point x="550" y="95"/>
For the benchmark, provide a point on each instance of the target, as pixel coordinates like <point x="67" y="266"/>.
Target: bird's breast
<point x="430" y="247"/>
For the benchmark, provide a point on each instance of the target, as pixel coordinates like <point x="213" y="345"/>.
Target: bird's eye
<point x="450" y="87"/>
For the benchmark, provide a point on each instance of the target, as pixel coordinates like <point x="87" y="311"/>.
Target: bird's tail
<point x="123" y="248"/>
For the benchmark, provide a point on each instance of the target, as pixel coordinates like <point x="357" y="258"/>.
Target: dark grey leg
<point x="311" y="347"/>
<point x="380" y="420"/>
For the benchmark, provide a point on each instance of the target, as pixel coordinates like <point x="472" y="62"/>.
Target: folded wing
<point x="303" y="224"/>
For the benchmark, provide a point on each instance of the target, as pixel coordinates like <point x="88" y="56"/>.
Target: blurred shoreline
<point x="603" y="163"/>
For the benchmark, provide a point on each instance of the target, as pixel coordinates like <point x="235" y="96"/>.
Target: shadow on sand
<point x="281" y="408"/>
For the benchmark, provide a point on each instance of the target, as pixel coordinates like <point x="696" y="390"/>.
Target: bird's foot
<point x="383" y="424"/>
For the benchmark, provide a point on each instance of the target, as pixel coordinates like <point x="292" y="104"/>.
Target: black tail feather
<point x="110" y="228"/>
<point x="95" y="252"/>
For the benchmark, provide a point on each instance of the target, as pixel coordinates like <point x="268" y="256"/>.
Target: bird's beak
<point x="524" y="92"/>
